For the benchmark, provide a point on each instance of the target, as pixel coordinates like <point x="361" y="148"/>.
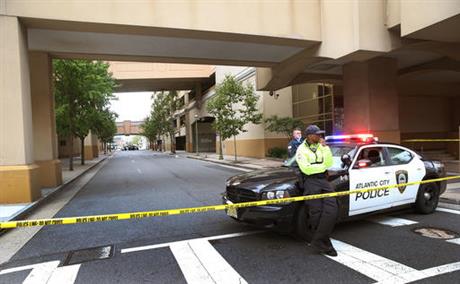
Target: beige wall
<point x="255" y="17"/>
<point x="44" y="121"/>
<point x="418" y="14"/>
<point x="349" y="26"/>
<point x="15" y="99"/>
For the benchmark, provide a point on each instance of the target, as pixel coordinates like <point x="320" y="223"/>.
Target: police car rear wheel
<point x="303" y="229"/>
<point x="427" y="198"/>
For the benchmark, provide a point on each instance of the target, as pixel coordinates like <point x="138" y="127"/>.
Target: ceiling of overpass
<point x="203" y="51"/>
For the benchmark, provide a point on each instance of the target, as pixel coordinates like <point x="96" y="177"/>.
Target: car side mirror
<point x="346" y="159"/>
<point x="363" y="163"/>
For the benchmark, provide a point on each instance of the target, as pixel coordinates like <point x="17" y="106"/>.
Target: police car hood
<point x="262" y="178"/>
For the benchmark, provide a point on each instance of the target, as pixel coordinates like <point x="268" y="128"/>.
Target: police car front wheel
<point x="427" y="198"/>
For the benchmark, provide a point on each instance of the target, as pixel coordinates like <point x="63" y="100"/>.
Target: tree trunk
<point x="105" y="147"/>
<point x="71" y="153"/>
<point x="234" y="145"/>
<point x="221" y="150"/>
<point x="82" y="143"/>
<point x="173" y="144"/>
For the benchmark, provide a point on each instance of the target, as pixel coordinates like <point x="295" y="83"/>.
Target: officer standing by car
<point x="314" y="158"/>
<point x="295" y="142"/>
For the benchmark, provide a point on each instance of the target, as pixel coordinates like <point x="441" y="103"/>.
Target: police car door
<point x="405" y="167"/>
<point x="369" y="169"/>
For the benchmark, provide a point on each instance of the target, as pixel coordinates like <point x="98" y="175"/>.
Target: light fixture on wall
<point x="273" y="94"/>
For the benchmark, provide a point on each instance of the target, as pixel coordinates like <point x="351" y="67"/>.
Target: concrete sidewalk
<point x="242" y="162"/>
<point x="451" y="195"/>
<point x="16" y="211"/>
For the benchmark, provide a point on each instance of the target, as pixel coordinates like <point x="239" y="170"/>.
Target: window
<point x="399" y="156"/>
<point x="374" y="155"/>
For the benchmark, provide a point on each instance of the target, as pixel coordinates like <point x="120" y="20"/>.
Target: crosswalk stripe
<point x="391" y="221"/>
<point x="448" y="210"/>
<point x="369" y="264"/>
<point x="40" y="273"/>
<point x="65" y="274"/>
<point x="454" y="241"/>
<point x="149" y="247"/>
<point x="200" y="262"/>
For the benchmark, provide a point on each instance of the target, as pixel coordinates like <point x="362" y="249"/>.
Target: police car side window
<point x="373" y="154"/>
<point x="399" y="156"/>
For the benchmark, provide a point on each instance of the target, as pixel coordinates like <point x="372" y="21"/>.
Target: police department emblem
<point x="402" y="177"/>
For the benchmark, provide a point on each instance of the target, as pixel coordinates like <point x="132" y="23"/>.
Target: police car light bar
<point x="360" y="137"/>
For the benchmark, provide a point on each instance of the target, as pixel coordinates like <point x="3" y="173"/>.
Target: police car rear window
<point x="399" y="156"/>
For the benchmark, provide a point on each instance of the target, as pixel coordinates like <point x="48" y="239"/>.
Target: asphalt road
<point x="211" y="247"/>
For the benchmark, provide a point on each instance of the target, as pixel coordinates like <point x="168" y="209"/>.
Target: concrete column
<point x="198" y="95"/>
<point x="19" y="176"/>
<point x="43" y="120"/>
<point x="371" y="100"/>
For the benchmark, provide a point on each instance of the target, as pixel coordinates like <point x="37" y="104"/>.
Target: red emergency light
<point x="363" y="138"/>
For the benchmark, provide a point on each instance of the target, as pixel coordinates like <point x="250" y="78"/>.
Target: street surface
<point x="211" y="247"/>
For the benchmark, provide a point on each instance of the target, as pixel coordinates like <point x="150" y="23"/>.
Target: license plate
<point x="232" y="212"/>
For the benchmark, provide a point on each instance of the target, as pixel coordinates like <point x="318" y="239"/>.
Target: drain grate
<point x="89" y="254"/>
<point x="436" y="233"/>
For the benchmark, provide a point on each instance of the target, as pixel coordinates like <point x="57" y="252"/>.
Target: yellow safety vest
<point x="313" y="162"/>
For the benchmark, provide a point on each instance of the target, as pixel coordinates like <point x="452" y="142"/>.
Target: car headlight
<point x="275" y="194"/>
<point x="281" y="194"/>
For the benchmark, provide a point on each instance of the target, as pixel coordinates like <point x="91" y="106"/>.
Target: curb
<point x="449" y="201"/>
<point x="26" y="211"/>
<point x="224" y="163"/>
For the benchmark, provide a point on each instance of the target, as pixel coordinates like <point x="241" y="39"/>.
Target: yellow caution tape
<point x="432" y="140"/>
<point x="161" y="213"/>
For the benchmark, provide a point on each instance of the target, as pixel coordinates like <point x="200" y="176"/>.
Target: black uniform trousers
<point x="322" y="212"/>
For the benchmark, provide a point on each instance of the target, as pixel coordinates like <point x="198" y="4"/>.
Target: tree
<point x="161" y="121"/>
<point x="234" y="105"/>
<point x="106" y="128"/>
<point x="283" y="125"/>
<point x="82" y="90"/>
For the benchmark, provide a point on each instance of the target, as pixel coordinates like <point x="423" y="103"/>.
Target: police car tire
<point x="303" y="229"/>
<point x="424" y="206"/>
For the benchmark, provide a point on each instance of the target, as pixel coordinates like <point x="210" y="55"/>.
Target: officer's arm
<point x="327" y="154"/>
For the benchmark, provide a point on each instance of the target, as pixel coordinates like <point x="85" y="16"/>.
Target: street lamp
<point x="196" y="133"/>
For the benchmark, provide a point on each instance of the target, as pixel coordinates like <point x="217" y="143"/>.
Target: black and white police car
<point x="360" y="162"/>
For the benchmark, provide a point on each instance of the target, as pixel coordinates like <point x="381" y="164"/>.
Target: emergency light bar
<point x="364" y="138"/>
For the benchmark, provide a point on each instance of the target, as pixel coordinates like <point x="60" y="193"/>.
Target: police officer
<point x="295" y="142"/>
<point x="314" y="158"/>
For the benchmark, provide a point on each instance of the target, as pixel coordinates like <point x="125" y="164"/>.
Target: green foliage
<point x="284" y="125"/>
<point x="136" y="140"/>
<point x="82" y="90"/>
<point x="233" y="106"/>
<point x="161" y="121"/>
<point x="277" y="152"/>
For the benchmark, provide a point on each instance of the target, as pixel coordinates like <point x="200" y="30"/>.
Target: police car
<point x="360" y="162"/>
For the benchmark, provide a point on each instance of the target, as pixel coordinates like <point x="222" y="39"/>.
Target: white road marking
<point x="235" y="168"/>
<point x="426" y="273"/>
<point x="40" y="273"/>
<point x="454" y="185"/>
<point x="454" y="241"/>
<point x="448" y="210"/>
<point x="149" y="247"/>
<point x="391" y="221"/>
<point x="382" y="269"/>
<point x="369" y="264"/>
<point x="139" y="171"/>
<point x="201" y="263"/>
<point x="65" y="274"/>
<point x="189" y="264"/>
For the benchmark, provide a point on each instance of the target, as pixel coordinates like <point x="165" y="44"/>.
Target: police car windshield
<point x="337" y="152"/>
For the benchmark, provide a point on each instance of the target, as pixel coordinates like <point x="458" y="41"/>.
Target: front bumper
<point x="281" y="216"/>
